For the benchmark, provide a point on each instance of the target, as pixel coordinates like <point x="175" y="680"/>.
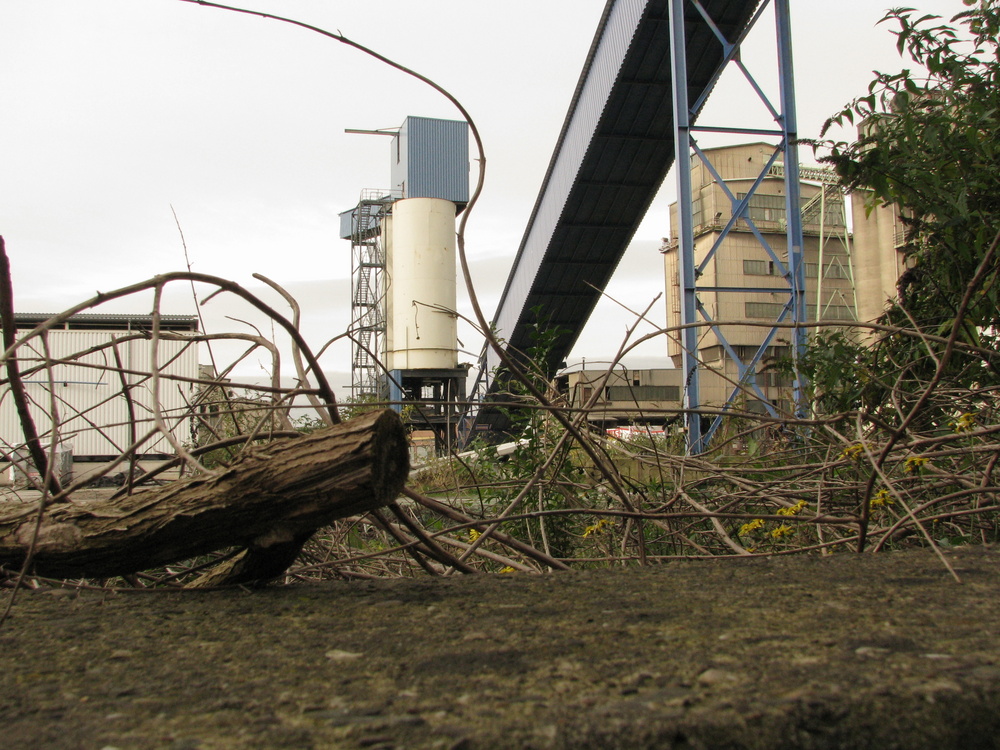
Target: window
<point x="769" y="310"/>
<point x="835" y="271"/>
<point x="633" y="394"/>
<point x="771" y="379"/>
<point x="765" y="207"/>
<point x="696" y="212"/>
<point x="758" y="267"/>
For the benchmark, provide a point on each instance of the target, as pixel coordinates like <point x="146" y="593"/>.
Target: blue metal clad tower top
<point x="430" y="159"/>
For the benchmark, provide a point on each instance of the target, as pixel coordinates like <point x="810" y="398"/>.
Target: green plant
<point x="928" y="148"/>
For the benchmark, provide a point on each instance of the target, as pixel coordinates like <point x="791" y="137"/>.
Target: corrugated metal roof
<point x="102" y="321"/>
<point x="614" y="151"/>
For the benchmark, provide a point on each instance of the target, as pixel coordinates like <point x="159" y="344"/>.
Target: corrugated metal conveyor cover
<point x="613" y="152"/>
<point x="611" y="157"/>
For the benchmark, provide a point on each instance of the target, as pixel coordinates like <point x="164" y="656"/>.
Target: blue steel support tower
<point x="686" y="16"/>
<point x="635" y="106"/>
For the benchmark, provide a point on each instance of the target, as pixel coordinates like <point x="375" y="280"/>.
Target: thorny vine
<point x="568" y="496"/>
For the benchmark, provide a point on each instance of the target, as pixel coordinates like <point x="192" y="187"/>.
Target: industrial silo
<point x="422" y="329"/>
<point x="405" y="238"/>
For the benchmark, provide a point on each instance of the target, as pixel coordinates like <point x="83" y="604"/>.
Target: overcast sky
<point x="114" y="111"/>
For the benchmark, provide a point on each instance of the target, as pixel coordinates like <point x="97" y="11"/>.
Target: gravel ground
<point x="873" y="651"/>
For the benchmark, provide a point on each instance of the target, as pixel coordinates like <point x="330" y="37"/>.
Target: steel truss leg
<point x="684" y="12"/>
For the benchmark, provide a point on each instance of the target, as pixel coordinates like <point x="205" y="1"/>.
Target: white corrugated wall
<point x="86" y="401"/>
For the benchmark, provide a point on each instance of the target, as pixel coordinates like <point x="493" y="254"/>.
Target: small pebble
<point x="338" y="655"/>
<point x="715" y="676"/>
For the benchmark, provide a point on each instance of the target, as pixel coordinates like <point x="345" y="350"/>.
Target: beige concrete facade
<point x="742" y="261"/>
<point x="878" y="252"/>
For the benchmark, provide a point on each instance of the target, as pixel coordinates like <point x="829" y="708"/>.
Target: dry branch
<point x="35" y="449"/>
<point x="268" y="501"/>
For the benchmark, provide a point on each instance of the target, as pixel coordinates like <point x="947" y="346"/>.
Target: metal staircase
<point x="368" y="291"/>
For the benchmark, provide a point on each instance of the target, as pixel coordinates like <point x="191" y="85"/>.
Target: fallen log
<point x="269" y="501"/>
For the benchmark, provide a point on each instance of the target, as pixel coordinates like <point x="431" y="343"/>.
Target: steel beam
<point x="685" y="15"/>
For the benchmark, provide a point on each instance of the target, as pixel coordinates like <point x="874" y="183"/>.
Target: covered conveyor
<point x="614" y="151"/>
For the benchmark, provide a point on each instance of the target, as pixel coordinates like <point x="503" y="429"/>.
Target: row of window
<point x="769" y="207"/>
<point x="643" y="393"/>
<point x="767" y="268"/>
<point x="773" y="380"/>
<point x="766" y="207"/>
<point x="636" y="393"/>
<point x="771" y="311"/>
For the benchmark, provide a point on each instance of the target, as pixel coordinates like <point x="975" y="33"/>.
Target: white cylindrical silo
<point x="421" y="288"/>
<point x="384" y="291"/>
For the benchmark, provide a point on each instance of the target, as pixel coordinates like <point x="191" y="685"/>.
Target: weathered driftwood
<point x="270" y="501"/>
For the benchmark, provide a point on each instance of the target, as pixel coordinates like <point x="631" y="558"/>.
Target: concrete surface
<point x="876" y="651"/>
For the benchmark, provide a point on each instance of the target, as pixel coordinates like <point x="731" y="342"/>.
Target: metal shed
<point x="75" y="386"/>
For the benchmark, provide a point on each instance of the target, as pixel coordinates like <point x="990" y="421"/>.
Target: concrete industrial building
<point x="404" y="324"/>
<point x="850" y="277"/>
<point x="623" y="396"/>
<point x="741" y="273"/>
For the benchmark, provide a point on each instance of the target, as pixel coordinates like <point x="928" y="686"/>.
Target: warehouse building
<point x="91" y="394"/>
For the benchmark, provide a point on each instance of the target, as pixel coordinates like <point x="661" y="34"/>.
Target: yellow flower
<point x="881" y="498"/>
<point x="793" y="510"/>
<point x="965" y="423"/>
<point x="597" y="528"/>
<point x="751" y="526"/>
<point x="783" y="530"/>
<point x="913" y="464"/>
<point x="853" y="452"/>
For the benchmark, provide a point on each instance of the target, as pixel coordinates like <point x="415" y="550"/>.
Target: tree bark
<point x="269" y="501"/>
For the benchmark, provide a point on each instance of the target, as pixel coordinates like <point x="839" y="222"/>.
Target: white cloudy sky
<point x="114" y="111"/>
